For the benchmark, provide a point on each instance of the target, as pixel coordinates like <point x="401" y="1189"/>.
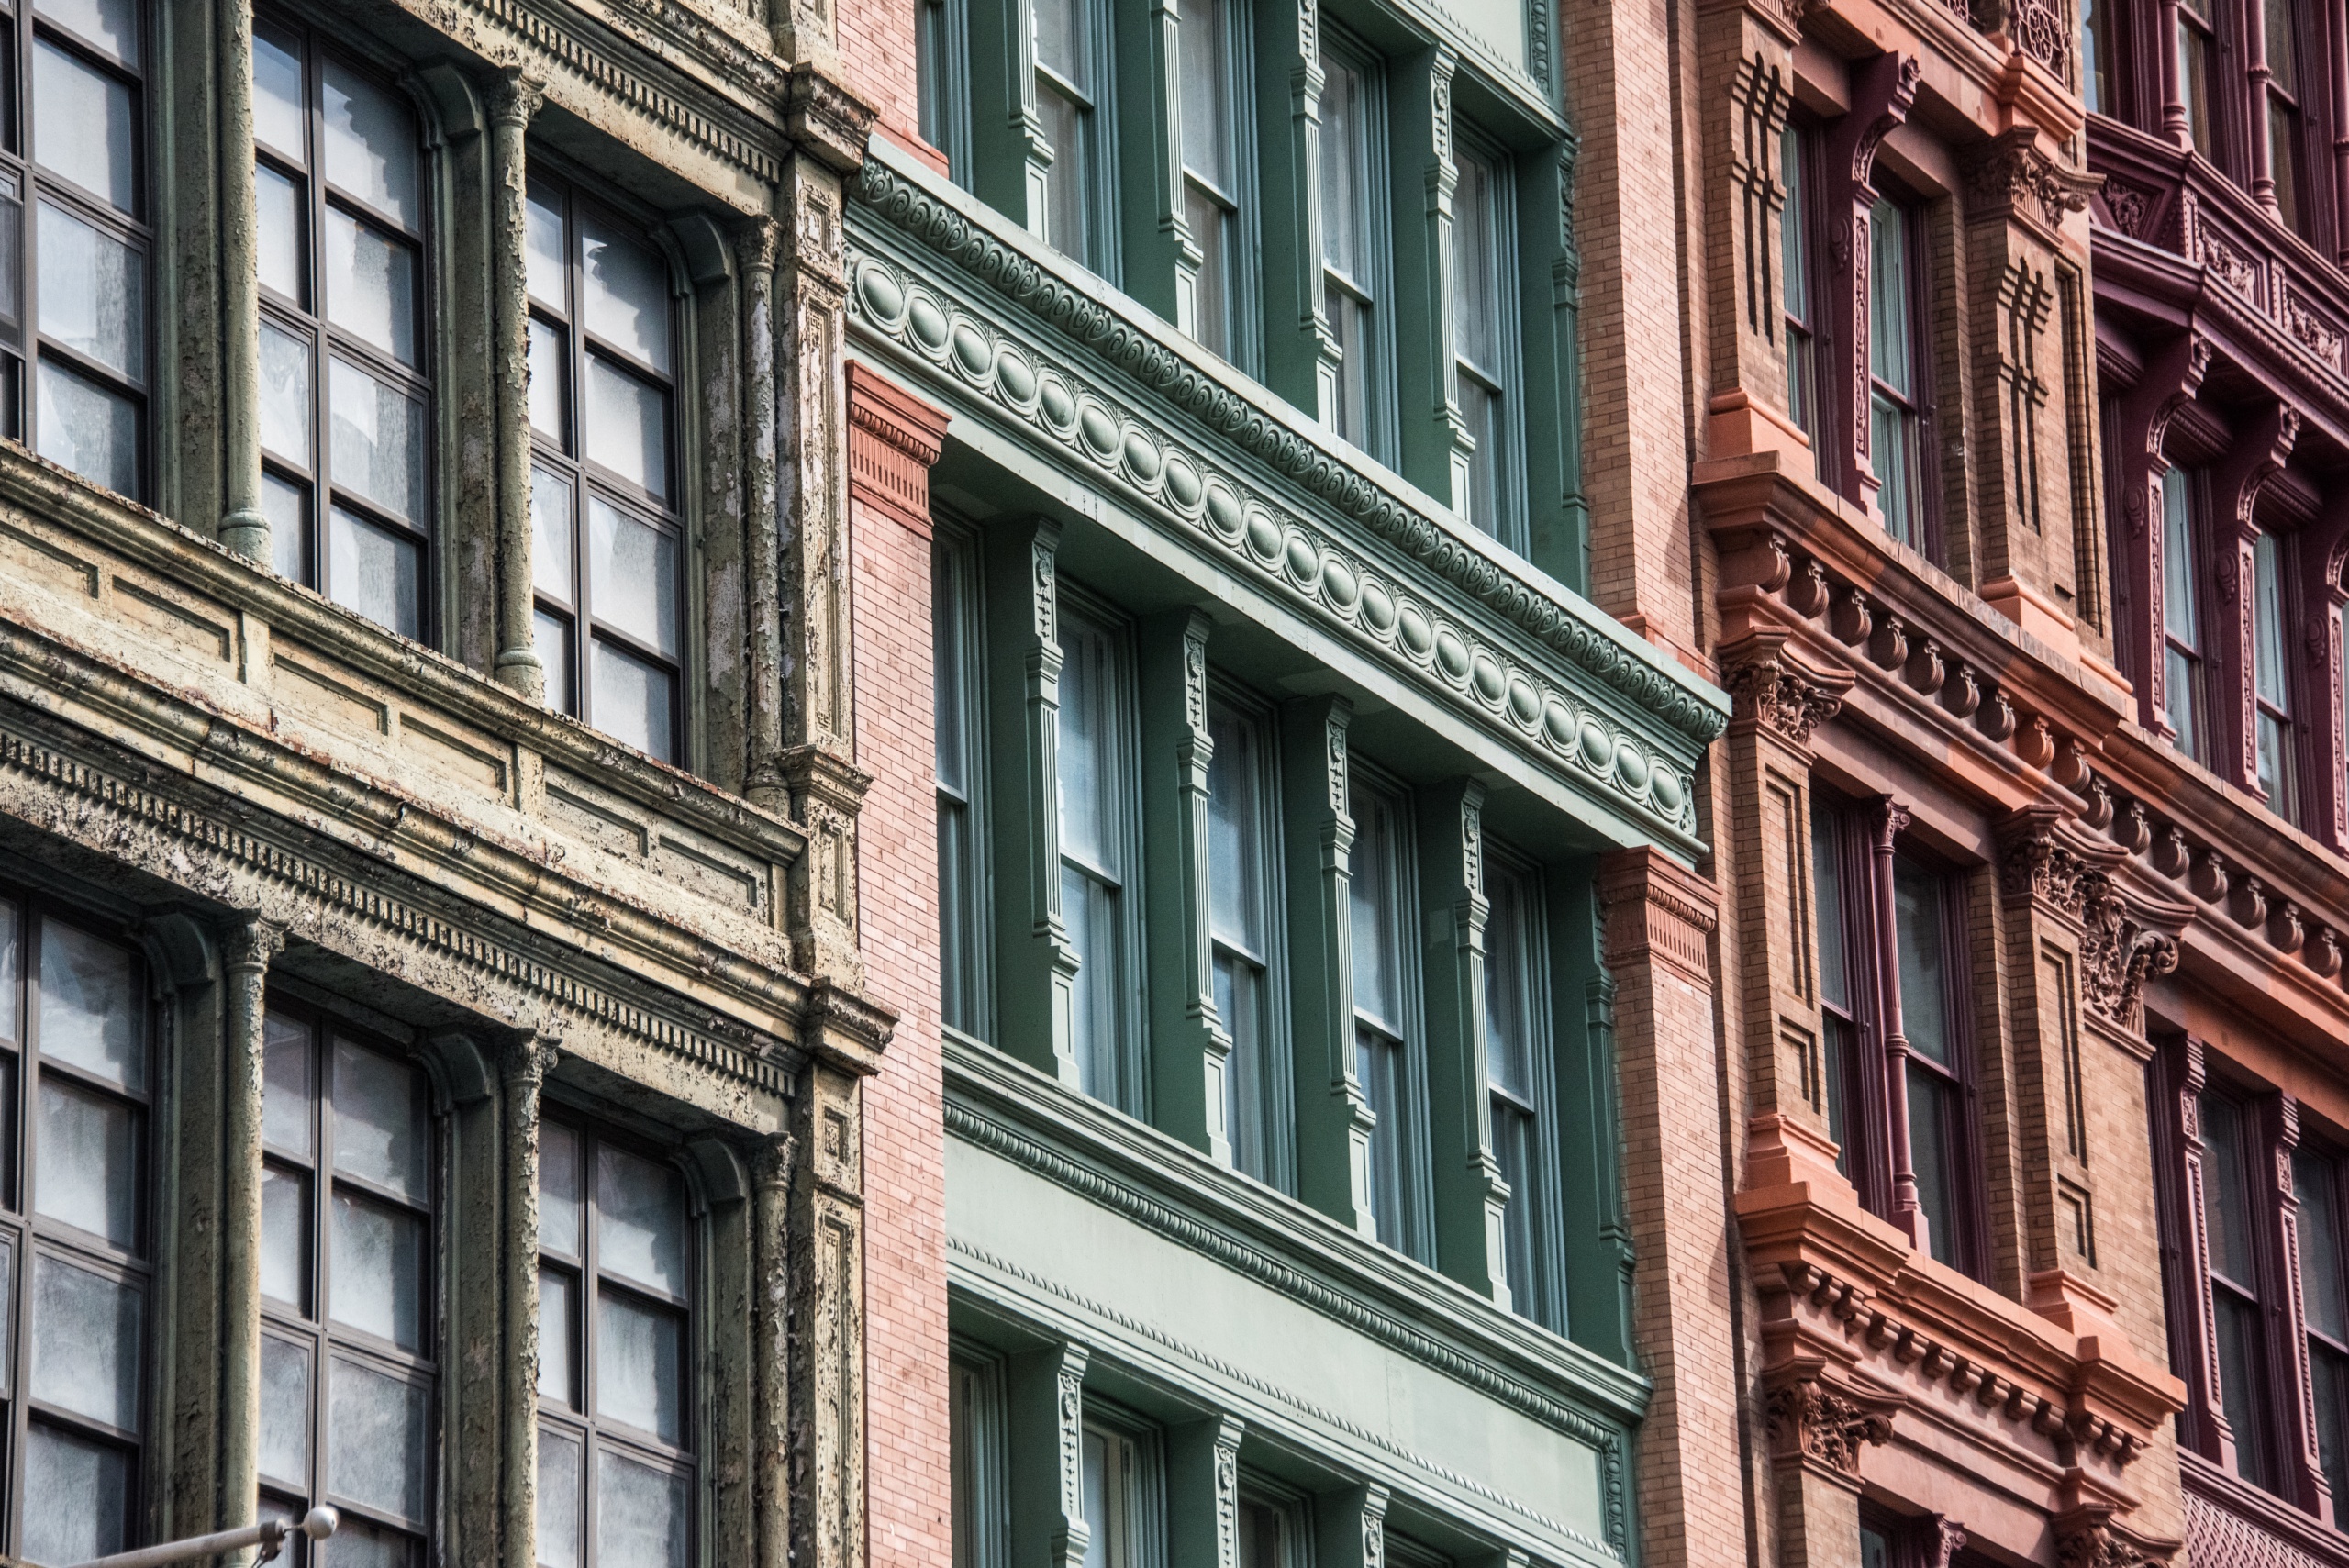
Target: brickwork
<point x="876" y="63"/>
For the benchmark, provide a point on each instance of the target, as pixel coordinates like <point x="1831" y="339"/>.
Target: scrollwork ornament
<point x="1807" y="1418"/>
<point x="1773" y="693"/>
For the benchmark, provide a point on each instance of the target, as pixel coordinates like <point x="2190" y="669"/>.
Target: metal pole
<point x="269" y="1535"/>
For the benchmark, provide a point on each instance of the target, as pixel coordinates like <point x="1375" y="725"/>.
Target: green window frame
<point x="1357" y="270"/>
<point x="1521" y="1079"/>
<point x="978" y="1456"/>
<point x="1246" y="898"/>
<point x="1389" y="1032"/>
<point x="959" y="674"/>
<point x="1075" y="101"/>
<point x="1216" y="68"/>
<point x="1098" y="786"/>
<point x="1487" y="334"/>
<point x="1121" y="1474"/>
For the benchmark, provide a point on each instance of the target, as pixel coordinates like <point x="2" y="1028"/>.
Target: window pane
<point x="286" y="1412"/>
<point x="378" y="1272"/>
<point x="112" y="25"/>
<point x="1827" y="908"/>
<point x="1513" y="1151"/>
<point x="1507" y="1050"/>
<point x="277" y="207"/>
<point x="559" y="1486"/>
<point x="1343" y="149"/>
<point x="1087" y="800"/>
<point x="2178" y="557"/>
<point x="625" y="294"/>
<point x="1480" y="412"/>
<point x="8" y="931"/>
<point x="1235" y="841"/>
<point x="279" y="106"/>
<point x="2330" y="1375"/>
<point x="87" y="1173"/>
<point x="2316" y="1182"/>
<point x="1094" y="1467"/>
<point x="12" y="250"/>
<point x="2226" y="1200"/>
<point x="1065" y="183"/>
<point x="371" y="285"/>
<point x="1793" y="249"/>
<point x="1207" y="117"/>
<point x="2243" y="1393"/>
<point x="1380" y="1067"/>
<point x="357" y="1544"/>
<point x="286" y="506"/>
<point x="378" y="441"/>
<point x="640" y="1366"/>
<point x="1474" y="249"/>
<point x="1888" y="347"/>
<point x="1925" y="982"/>
<point x="551" y="563"/>
<point x="551" y="639"/>
<point x="1060" y="40"/>
<point x="1350" y="326"/>
<point x="632" y="575"/>
<point x="375" y="571"/>
<point x="558" y="1190"/>
<point x="640" y="1220"/>
<point x="1932" y="1116"/>
<point x="2184" y="706"/>
<point x="1888" y="453"/>
<point x="370" y="144"/>
<point x="89" y="1009"/>
<point x="285" y="407"/>
<point x="548" y="373"/>
<point x="1261" y="1530"/>
<point x="1374" y="894"/>
<point x="85" y="124"/>
<point x="93" y="292"/>
<point x="1239" y="993"/>
<point x="1210" y="231"/>
<point x="628" y="425"/>
<point x="88" y="429"/>
<point x="641" y="1515"/>
<point x="545" y="266"/>
<point x="284" y="1238"/>
<point x="558" y="1338"/>
<point x="376" y="1449"/>
<point x="635" y="702"/>
<point x="1096" y="1005"/>
<point x="379" y="1120"/>
<point x="285" y="1083"/>
<point x="77" y="1497"/>
<point x="85" y="1343"/>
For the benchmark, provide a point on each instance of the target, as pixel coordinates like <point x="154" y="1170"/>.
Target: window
<point x="74" y="220"/>
<point x="1940" y="1153"/>
<point x="1120" y="1481"/>
<point x="1272" y="1527"/>
<point x="347" y="1351"/>
<point x="1242" y="831"/>
<point x="2095" y="57"/>
<point x="1212" y="49"/>
<point x="2181" y="615"/>
<point x="607" y="540"/>
<point x="2195" y="48"/>
<point x="75" y="1274"/>
<point x="974" y="1435"/>
<point x="1386" y="1041"/>
<point x="1794" y="269"/>
<point x="1354" y="208"/>
<point x="1839" y="997"/>
<point x="616" y="1468"/>
<point x="1096" y="783"/>
<point x="2271" y="678"/>
<point x="2284" y="108"/>
<point x="959" y="674"/>
<point x="2316" y="1183"/>
<point x="1067" y="36"/>
<point x="1896" y="373"/>
<point x="1485" y="287"/>
<point x="1516" y="1054"/>
<point x="2235" y="1298"/>
<point x="942" y="45"/>
<point x="346" y="341"/>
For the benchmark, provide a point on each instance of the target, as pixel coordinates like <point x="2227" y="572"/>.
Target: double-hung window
<point x="942" y="50"/>
<point x="76" y="1080"/>
<point x="74" y="237"/>
<point x="1241" y="865"/>
<point x="2229" y="1213"/>
<point x="616" y="1296"/>
<point x="346" y="341"/>
<point x="2324" y="1290"/>
<point x="2097" y="38"/>
<point x="2272" y="678"/>
<point x="1842" y="986"/>
<point x="1387" y="1045"/>
<point x="958" y="673"/>
<point x="2197" y="45"/>
<point x="1516" y="1051"/>
<point x="1271" y="1527"/>
<point x="1896" y="445"/>
<point x="1068" y="39"/>
<point x="1353" y="241"/>
<point x="2181" y="611"/>
<point x="347" y="1350"/>
<point x="2282" y="19"/>
<point x="607" y="542"/>
<point x="1123" y="1513"/>
<point x="1485" y="292"/>
<point x="1215" y="203"/>
<point x="976" y="1456"/>
<point x="1097" y="792"/>
<point x="1939" y="1150"/>
<point x="1793" y="272"/>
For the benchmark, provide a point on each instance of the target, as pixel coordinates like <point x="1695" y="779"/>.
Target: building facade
<point x="433" y="788"/>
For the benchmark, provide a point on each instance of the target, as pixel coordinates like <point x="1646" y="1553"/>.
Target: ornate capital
<point x="2097" y="1546"/>
<point x="756" y="241"/>
<point x="2012" y="173"/>
<point x="525" y="1058"/>
<point x="251" y="943"/>
<point x="1772" y="689"/>
<point x="2037" y="866"/>
<point x="826" y="119"/>
<point x="2119" y="951"/>
<point x="1810" y="1422"/>
<point x="515" y="100"/>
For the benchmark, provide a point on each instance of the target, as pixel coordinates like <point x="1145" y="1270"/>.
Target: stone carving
<point x="1809" y="1418"/>
<point x="2035" y="867"/>
<point x="1775" y="692"/>
<point x="2128" y="206"/>
<point x="2097" y="1547"/>
<point x="2117" y="954"/>
<point x="1943" y="1542"/>
<point x="2013" y="171"/>
<point x="2229" y="265"/>
<point x="2315" y="334"/>
<point x="2044" y="30"/>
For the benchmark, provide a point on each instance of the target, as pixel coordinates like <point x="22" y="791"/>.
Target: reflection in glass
<point x="634" y="702"/>
<point x="376" y="572"/>
<point x="370" y="144"/>
<point x="86" y="428"/>
<point x="89" y="1010"/>
<point x="285" y="394"/>
<point x="632" y="575"/>
<point x="378" y="1271"/>
<point x="640" y="1366"/>
<point x="640" y="1220"/>
<point x="284" y="1412"/>
<point x="85" y="1343"/>
<point x="84" y="126"/>
<point x="376" y="1438"/>
<point x="370" y="285"/>
<point x="378" y="441"/>
<point x="559" y="1487"/>
<point x="379" y="1131"/>
<point x="640" y="1515"/>
<point x="77" y="1497"/>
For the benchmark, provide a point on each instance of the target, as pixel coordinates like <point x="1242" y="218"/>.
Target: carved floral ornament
<point x="1777" y="691"/>
<point x="2097" y="1546"/>
<point x="1809" y="1419"/>
<point x="2013" y="171"/>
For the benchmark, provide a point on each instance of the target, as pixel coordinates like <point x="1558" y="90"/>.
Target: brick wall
<point x="876" y="44"/>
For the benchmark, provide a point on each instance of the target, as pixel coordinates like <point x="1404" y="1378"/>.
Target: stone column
<point x="1881" y="90"/>
<point x="1660" y="919"/>
<point x="1435" y="441"/>
<point x="244" y="527"/>
<point x="2203" y="1424"/>
<point x="1045" y="1392"/>
<point x="1471" y="1199"/>
<point x="1190" y="1047"/>
<point x="755" y="244"/>
<point x="246" y="950"/>
<point x="2303" y="1466"/>
<point x="1203" y="1486"/>
<point x="1333" y="1119"/>
<point x="512" y="104"/>
<point x="826" y="1335"/>
<point x="524" y="1060"/>
<point x="1886" y="825"/>
<point x="772" y="1166"/>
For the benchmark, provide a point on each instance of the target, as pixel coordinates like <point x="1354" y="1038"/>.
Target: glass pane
<point x="2226" y="1195"/>
<point x="77" y="1497"/>
<point x="1380" y="1067"/>
<point x="1480" y="413"/>
<point x="2267" y="615"/>
<point x="632" y="575"/>
<point x="2283" y="47"/>
<point x="1507" y="1050"/>
<point x="560" y="1526"/>
<point x="371" y="285"/>
<point x="1210" y="231"/>
<point x="551" y="563"/>
<point x="1925" y="997"/>
<point x="1207" y="117"/>
<point x="8" y="927"/>
<point x="87" y="1173"/>
<point x="1097" y="1002"/>
<point x="285" y="1083"/>
<point x="640" y="1220"/>
<point x="370" y="144"/>
<point x="84" y="126"/>
<point x="635" y="702"/>
<point x="284" y="1238"/>
<point x="2241" y="1387"/>
<point x="285" y="407"/>
<point x="551" y="637"/>
<point x="112" y="25"/>
<point x="1513" y="1150"/>
<point x="279" y="106"/>
<point x="1932" y="1112"/>
<point x="378" y="445"/>
<point x="547" y="376"/>
<point x="379" y="1120"/>
<point x="2316" y="1182"/>
<point x="376" y="573"/>
<point x="624" y="292"/>
<point x="1343" y="155"/>
<point x="1350" y="324"/>
<point x="11" y="250"/>
<point x="1827" y="908"/>
<point x="1092" y="699"/>
<point x="1094" y="1479"/>
<point x="559" y="1188"/>
<point x="1889" y="328"/>
<point x="1474" y="251"/>
<point x="1374" y="896"/>
<point x="1068" y="180"/>
<point x="1235" y="839"/>
<point x="1889" y="429"/>
<point x="378" y="1271"/>
<point x="1793" y="259"/>
<point x="1060" y="40"/>
<point x="641" y="1515"/>
<point x="287" y="506"/>
<point x="2178" y="557"/>
<point x="1239" y="1002"/>
<point x="2183" y="699"/>
<point x="2329" y="1374"/>
<point x="93" y="292"/>
<point x="87" y="428"/>
<point x="375" y="1444"/>
<point x="286" y="1412"/>
<point x="277" y="207"/>
<point x="87" y="1342"/>
<point x="1261" y="1529"/>
<point x="628" y="425"/>
<point x="545" y="264"/>
<point x="558" y="1338"/>
<point x="357" y="1544"/>
<point x="640" y="1366"/>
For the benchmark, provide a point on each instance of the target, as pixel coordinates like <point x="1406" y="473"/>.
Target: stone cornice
<point x="1254" y="487"/>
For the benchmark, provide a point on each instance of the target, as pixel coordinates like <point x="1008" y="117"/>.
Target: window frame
<point x="1095" y="118"/>
<point x="2321" y="1166"/>
<point x="2257" y="1455"/>
<point x="1414" y="1180"/>
<point x="2282" y="122"/>
<point x="1542" y="1297"/>
<point x="958" y="610"/>
<point x="1275" y="1086"/>
<point x="2197" y="49"/>
<point x="2274" y="633"/>
<point x="1960" y="1076"/>
<point x="1799" y="253"/>
<point x="1371" y="298"/>
<point x="1503" y="383"/>
<point x="1142" y="1508"/>
<point x="1909" y="408"/>
<point x="2181" y="657"/>
<point x="1235" y="197"/>
<point x="979" y="1493"/>
<point x="1121" y="795"/>
<point x="942" y="89"/>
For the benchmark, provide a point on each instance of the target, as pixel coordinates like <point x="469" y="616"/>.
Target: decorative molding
<point x="1655" y="911"/>
<point x="2097" y="1546"/>
<point x="2012" y="171"/>
<point x="1774" y="690"/>
<point x="2117" y="954"/>
<point x="1809" y="1420"/>
<point x="894" y="436"/>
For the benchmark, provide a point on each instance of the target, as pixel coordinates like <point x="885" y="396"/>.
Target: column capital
<point x="515" y="99"/>
<point x="1772" y="688"/>
<point x="251" y="943"/>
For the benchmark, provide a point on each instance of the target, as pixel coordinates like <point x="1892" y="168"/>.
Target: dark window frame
<point x="1915" y="407"/>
